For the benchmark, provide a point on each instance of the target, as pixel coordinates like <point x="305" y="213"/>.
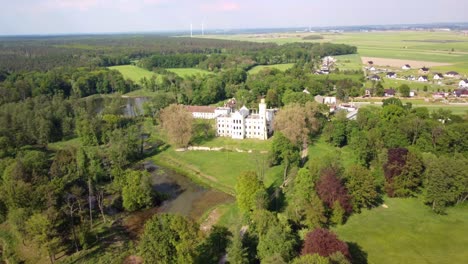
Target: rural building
<point x="438" y="76"/>
<point x="411" y="78"/>
<point x="389" y="92"/>
<point x="202" y="112"/>
<point x="422" y="79"/>
<point x="372" y="68"/>
<point x="452" y="74"/>
<point x="461" y="93"/>
<point x="438" y="95"/>
<point x="375" y="78"/>
<point x="368" y="93"/>
<point x="424" y="70"/>
<point x="391" y="75"/>
<point x="406" y="67"/>
<point x="244" y="124"/>
<point x="412" y="93"/>
<point x="463" y="83"/>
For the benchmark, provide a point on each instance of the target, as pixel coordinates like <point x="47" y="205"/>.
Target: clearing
<point x="133" y="72"/>
<point x="281" y="67"/>
<point x="409" y="232"/>
<point x="186" y="72"/>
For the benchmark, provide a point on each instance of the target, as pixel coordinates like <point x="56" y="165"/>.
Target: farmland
<point x="442" y="47"/>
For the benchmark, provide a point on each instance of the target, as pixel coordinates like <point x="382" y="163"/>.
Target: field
<point x="133" y="72"/>
<point x="185" y="72"/>
<point x="442" y="47"/>
<point x="397" y="63"/>
<point x="408" y="232"/>
<point x="281" y="67"/>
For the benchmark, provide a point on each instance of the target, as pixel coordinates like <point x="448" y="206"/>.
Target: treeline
<point x="77" y="82"/>
<point x="45" y="53"/>
<point x="171" y="61"/>
<point x="418" y="153"/>
<point x="245" y="59"/>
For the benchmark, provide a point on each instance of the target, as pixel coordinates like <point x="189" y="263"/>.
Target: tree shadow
<point x="358" y="255"/>
<point x="277" y="199"/>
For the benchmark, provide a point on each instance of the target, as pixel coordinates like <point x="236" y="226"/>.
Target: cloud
<point x="224" y="6"/>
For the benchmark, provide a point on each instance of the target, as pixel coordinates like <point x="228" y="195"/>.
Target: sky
<point x="108" y="16"/>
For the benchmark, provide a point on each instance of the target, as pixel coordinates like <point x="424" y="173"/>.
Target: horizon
<point x="72" y="17"/>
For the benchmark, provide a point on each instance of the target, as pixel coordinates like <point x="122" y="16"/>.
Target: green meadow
<point x="409" y="232"/>
<point x="185" y="72"/>
<point x="133" y="72"/>
<point x="281" y="67"/>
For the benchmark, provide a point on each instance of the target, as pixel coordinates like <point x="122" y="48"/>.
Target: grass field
<point x="185" y="72"/>
<point x="133" y="72"/>
<point x="349" y="62"/>
<point x="219" y="169"/>
<point x="408" y="232"/>
<point x="281" y="67"/>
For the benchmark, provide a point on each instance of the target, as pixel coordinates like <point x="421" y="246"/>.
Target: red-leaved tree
<point x="396" y="160"/>
<point x="324" y="243"/>
<point x="330" y="189"/>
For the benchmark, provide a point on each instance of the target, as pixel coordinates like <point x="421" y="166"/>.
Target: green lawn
<point x="219" y="169"/>
<point x="408" y="232"/>
<point x="133" y="72"/>
<point x="320" y="149"/>
<point x="281" y="67"/>
<point x="185" y="72"/>
<point x="349" y="62"/>
<point x="246" y="144"/>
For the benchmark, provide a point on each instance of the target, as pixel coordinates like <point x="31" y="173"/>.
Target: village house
<point x="424" y="70"/>
<point x="406" y="67"/>
<point x="451" y="74"/>
<point x="245" y="123"/>
<point x="438" y="76"/>
<point x="411" y="78"/>
<point x="372" y="68"/>
<point x="461" y="93"/>
<point x="375" y="78"/>
<point x="422" y="79"/>
<point x="389" y="93"/>
<point x="412" y="93"/>
<point x="367" y="93"/>
<point x="328" y="100"/>
<point x="463" y="83"/>
<point x="391" y="75"/>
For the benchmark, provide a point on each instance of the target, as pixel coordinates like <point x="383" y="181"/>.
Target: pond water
<point x="127" y="106"/>
<point x="184" y="197"/>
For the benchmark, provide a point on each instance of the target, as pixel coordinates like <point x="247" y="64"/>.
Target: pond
<point x="184" y="197"/>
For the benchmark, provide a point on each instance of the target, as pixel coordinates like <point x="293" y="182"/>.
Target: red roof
<point x="200" y="109"/>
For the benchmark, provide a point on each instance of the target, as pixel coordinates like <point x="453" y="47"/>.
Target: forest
<point x="71" y="162"/>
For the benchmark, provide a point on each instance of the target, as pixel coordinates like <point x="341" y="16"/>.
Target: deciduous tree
<point x="177" y="122"/>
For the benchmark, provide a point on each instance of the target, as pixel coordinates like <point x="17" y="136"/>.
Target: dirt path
<point x="211" y="220"/>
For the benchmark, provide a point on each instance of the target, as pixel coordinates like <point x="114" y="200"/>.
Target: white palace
<point x="240" y="124"/>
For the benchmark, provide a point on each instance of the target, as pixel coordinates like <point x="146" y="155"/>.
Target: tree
<point x="248" y="190"/>
<point x="214" y="246"/>
<point x="236" y="252"/>
<point x="169" y="238"/>
<point x="277" y="240"/>
<point x="325" y="243"/>
<point x="330" y="189"/>
<point x="361" y="186"/>
<point x="404" y="90"/>
<point x="338" y="214"/>
<point x="42" y="230"/>
<point x="137" y="192"/>
<point x="297" y="122"/>
<point x="177" y="122"/>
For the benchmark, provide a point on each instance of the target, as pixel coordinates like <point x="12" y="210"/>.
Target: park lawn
<point x="186" y="72"/>
<point x="133" y="72"/>
<point x="281" y="67"/>
<point x="245" y="144"/>
<point x="218" y="169"/>
<point x="409" y="232"/>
